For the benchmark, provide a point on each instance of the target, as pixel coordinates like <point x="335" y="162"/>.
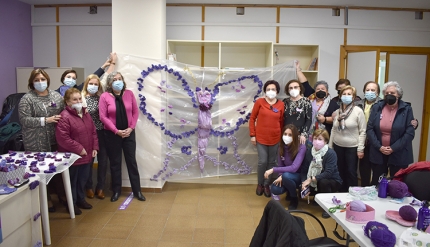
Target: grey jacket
<point x="31" y="108"/>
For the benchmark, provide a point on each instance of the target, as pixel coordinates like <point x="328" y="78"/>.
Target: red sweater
<point x="270" y="123"/>
<point x="74" y="133"/>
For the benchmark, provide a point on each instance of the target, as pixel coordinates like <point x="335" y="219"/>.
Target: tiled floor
<point x="183" y="215"/>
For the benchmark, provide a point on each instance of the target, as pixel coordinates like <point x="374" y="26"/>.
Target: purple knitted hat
<point x="397" y="189"/>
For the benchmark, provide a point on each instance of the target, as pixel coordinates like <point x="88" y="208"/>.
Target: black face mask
<point x="320" y="94"/>
<point x="390" y="99"/>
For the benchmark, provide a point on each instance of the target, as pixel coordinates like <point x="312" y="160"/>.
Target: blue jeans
<point x="290" y="182"/>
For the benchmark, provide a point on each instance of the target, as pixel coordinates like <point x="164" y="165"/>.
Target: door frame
<point x="404" y="50"/>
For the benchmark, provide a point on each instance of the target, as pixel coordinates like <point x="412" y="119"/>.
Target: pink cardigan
<point x="107" y="110"/>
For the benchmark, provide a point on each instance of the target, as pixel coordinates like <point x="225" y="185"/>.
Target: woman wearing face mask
<point x="91" y="93"/>
<point x="348" y="136"/>
<point x="319" y="169"/>
<point x="298" y="109"/>
<point x="118" y="112"/>
<point x="76" y="133"/>
<point x="39" y="110"/>
<point x="371" y="92"/>
<point x="269" y="112"/>
<point x="290" y="158"/>
<point x="320" y="100"/>
<point x="68" y="78"/>
<point x="390" y="133"/>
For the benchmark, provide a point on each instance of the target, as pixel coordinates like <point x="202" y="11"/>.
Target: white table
<point x="61" y="167"/>
<point x="17" y="211"/>
<point x="381" y="205"/>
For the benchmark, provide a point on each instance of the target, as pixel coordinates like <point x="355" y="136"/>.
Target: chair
<point x="324" y="241"/>
<point x="10" y="114"/>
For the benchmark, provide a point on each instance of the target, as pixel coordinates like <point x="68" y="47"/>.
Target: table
<point x="381" y="205"/>
<point x="17" y="211"/>
<point x="61" y="167"/>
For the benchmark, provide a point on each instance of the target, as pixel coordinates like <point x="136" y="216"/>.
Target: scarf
<point x="121" y="115"/>
<point x="316" y="165"/>
<point x="344" y="114"/>
<point x="321" y="110"/>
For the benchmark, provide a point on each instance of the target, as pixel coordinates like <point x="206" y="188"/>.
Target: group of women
<point x="317" y="142"/>
<point x="86" y="121"/>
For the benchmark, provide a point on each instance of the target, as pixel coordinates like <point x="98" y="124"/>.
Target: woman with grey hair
<point x="320" y="100"/>
<point x="390" y="133"/>
<point x="119" y="113"/>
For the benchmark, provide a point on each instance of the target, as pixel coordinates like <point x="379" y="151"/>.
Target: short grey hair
<point x="321" y="83"/>
<point x="393" y="84"/>
<point x="109" y="81"/>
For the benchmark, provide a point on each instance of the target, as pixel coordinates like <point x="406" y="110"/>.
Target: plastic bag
<point x="368" y="193"/>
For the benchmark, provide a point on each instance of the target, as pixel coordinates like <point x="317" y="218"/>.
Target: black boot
<point x="293" y="203"/>
<point x="140" y="197"/>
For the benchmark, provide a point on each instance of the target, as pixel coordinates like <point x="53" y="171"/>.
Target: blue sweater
<point x="287" y="164"/>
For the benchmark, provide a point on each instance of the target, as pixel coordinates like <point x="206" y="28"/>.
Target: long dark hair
<point x="294" y="146"/>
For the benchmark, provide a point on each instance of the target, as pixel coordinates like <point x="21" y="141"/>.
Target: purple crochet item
<point x="397" y="189"/>
<point x="379" y="234"/>
<point x="204" y="125"/>
<point x="357" y="206"/>
<point x="33" y="185"/>
<point x="408" y="213"/>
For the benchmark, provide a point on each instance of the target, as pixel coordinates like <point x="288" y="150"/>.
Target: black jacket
<point x="278" y="228"/>
<point x="402" y="134"/>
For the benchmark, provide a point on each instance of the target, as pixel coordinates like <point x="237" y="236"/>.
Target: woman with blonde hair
<point x="319" y="169"/>
<point x="348" y="136"/>
<point x="91" y="93"/>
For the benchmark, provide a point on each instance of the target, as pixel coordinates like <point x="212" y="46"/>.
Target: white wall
<point x="86" y="40"/>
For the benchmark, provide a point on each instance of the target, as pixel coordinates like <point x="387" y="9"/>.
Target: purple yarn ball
<point x="383" y="238"/>
<point x="357" y="206"/>
<point x="408" y="213"/>
<point x="373" y="225"/>
<point x="397" y="189"/>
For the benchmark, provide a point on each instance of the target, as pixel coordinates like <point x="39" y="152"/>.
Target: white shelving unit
<point x="239" y="56"/>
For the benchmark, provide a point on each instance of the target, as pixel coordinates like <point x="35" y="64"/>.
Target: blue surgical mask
<point x="370" y="96"/>
<point x="92" y="89"/>
<point x="40" y="86"/>
<point x="346" y="99"/>
<point x="118" y="85"/>
<point x="70" y="82"/>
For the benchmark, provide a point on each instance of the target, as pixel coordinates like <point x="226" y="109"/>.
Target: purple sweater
<point x="286" y="164"/>
<point x="107" y="110"/>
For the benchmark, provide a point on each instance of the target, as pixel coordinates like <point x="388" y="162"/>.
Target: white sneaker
<point x="275" y="197"/>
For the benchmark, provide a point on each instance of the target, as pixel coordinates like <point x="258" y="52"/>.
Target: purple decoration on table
<point x="336" y="201"/>
<point x="20" y="155"/>
<point x="58" y="159"/>
<point x="33" y="185"/>
<point x="30" y="156"/>
<point x="40" y="158"/>
<point x="26" y="175"/>
<point x="33" y="163"/>
<point x="36" y="216"/>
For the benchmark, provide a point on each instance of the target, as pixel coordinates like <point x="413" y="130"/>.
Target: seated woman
<point x="319" y="168"/>
<point x="290" y="158"/>
<point x="76" y="133"/>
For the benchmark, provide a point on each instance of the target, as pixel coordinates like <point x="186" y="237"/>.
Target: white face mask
<point x="294" y="92"/>
<point x="271" y="94"/>
<point x="287" y="139"/>
<point x="77" y="106"/>
<point x="92" y="89"/>
<point x="70" y="82"/>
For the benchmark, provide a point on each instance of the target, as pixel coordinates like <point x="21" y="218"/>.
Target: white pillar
<point x="139" y="27"/>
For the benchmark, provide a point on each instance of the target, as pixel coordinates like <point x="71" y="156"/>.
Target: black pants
<point x="326" y="186"/>
<point x="379" y="169"/>
<point x="365" y="168"/>
<point x="115" y="146"/>
<point x="102" y="160"/>
<point x="78" y="178"/>
<point x="347" y="162"/>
